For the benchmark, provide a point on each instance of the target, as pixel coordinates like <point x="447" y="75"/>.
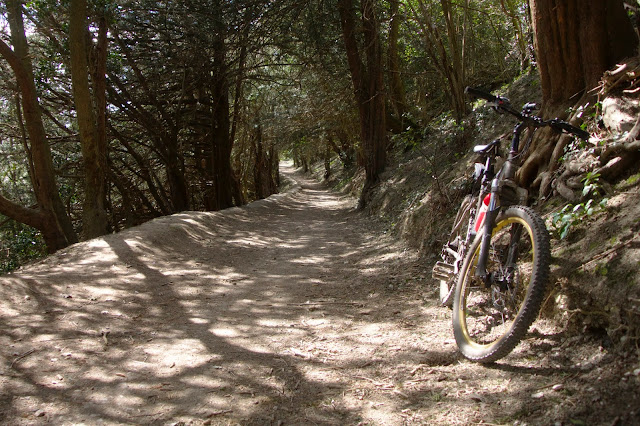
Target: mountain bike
<point x="495" y="265"/>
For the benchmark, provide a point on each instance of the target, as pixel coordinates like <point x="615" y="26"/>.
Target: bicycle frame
<point x="500" y="188"/>
<point x="507" y="172"/>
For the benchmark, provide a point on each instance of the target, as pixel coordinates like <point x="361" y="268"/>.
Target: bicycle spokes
<point x="491" y="317"/>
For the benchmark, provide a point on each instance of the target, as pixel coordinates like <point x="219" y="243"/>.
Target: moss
<point x="632" y="180"/>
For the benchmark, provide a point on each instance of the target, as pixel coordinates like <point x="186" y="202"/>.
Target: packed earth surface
<point x="296" y="309"/>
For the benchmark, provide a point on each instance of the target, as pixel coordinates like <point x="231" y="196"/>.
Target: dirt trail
<point x="292" y="310"/>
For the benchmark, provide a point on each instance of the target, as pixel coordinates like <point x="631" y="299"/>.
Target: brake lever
<point x="500" y="104"/>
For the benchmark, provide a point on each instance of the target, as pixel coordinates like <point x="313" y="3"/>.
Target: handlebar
<point x="502" y="104"/>
<point x="563" y="126"/>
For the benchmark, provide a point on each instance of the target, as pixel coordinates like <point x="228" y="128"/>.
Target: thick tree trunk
<point x="94" y="152"/>
<point x="369" y="88"/>
<point x="221" y="170"/>
<point x="52" y="219"/>
<point x="236" y="187"/>
<point x="221" y="149"/>
<point x="576" y="42"/>
<point x="173" y="160"/>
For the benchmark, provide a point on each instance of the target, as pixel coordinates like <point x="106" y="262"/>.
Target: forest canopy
<point x="116" y="112"/>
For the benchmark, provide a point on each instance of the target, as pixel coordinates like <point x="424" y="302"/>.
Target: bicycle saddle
<point x="484" y="149"/>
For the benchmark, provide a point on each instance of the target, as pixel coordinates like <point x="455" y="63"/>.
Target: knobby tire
<point x="489" y="322"/>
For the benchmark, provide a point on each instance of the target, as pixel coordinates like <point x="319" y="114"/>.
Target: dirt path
<point x="292" y="310"/>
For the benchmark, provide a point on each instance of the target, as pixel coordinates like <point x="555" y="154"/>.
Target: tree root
<point x="619" y="149"/>
<point x="565" y="192"/>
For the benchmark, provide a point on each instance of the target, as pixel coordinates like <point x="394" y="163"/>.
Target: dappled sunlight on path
<point x="198" y="315"/>
<point x="295" y="309"/>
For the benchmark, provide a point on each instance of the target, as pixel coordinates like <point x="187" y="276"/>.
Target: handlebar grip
<point x="476" y="93"/>
<point x="564" y="126"/>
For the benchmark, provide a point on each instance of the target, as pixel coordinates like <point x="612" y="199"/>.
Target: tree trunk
<point x="52" y="219"/>
<point x="162" y="131"/>
<point x="511" y="9"/>
<point x="368" y="84"/>
<point x="174" y="162"/>
<point x="94" y="152"/>
<point x="576" y="42"/>
<point x="396" y="85"/>
<point x="447" y="53"/>
<point x="263" y="181"/>
<point x="457" y="68"/>
<point x="236" y="188"/>
<point x="220" y="132"/>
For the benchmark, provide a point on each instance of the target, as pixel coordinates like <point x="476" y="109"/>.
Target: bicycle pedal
<point x="442" y="271"/>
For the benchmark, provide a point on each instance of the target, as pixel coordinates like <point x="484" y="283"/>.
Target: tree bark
<point x="576" y="42"/>
<point x="263" y="169"/>
<point x="52" y="219"/>
<point x="368" y="85"/>
<point x="94" y="151"/>
<point x="221" y="143"/>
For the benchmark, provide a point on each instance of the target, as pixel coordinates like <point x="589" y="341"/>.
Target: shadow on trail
<point x="196" y="316"/>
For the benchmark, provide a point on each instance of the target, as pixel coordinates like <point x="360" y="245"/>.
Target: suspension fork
<point x="487" y="229"/>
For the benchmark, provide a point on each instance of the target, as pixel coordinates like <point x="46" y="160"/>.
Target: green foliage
<point x="574" y="214"/>
<point x="632" y="180"/>
<point x="288" y="81"/>
<point x="591" y="184"/>
<point x="18" y="245"/>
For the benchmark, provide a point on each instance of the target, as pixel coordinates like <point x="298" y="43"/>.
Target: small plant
<point x="591" y="184"/>
<point x="573" y="214"/>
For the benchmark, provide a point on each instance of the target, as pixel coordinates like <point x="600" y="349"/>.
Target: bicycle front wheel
<point x="491" y="316"/>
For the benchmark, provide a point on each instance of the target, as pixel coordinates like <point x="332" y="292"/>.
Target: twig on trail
<point x="147" y="415"/>
<point x="220" y="412"/>
<point x="299" y="353"/>
<point x="608" y="252"/>
<point x="59" y="339"/>
<point x="321" y="302"/>
<point x="420" y="366"/>
<point x="24" y="355"/>
<point x="562" y="382"/>
<point x="384" y="386"/>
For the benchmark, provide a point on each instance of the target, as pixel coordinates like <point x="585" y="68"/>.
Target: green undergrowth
<point x="19" y="244"/>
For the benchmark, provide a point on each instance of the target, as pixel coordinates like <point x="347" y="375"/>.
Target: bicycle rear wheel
<point x="490" y="319"/>
<point x="456" y="238"/>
